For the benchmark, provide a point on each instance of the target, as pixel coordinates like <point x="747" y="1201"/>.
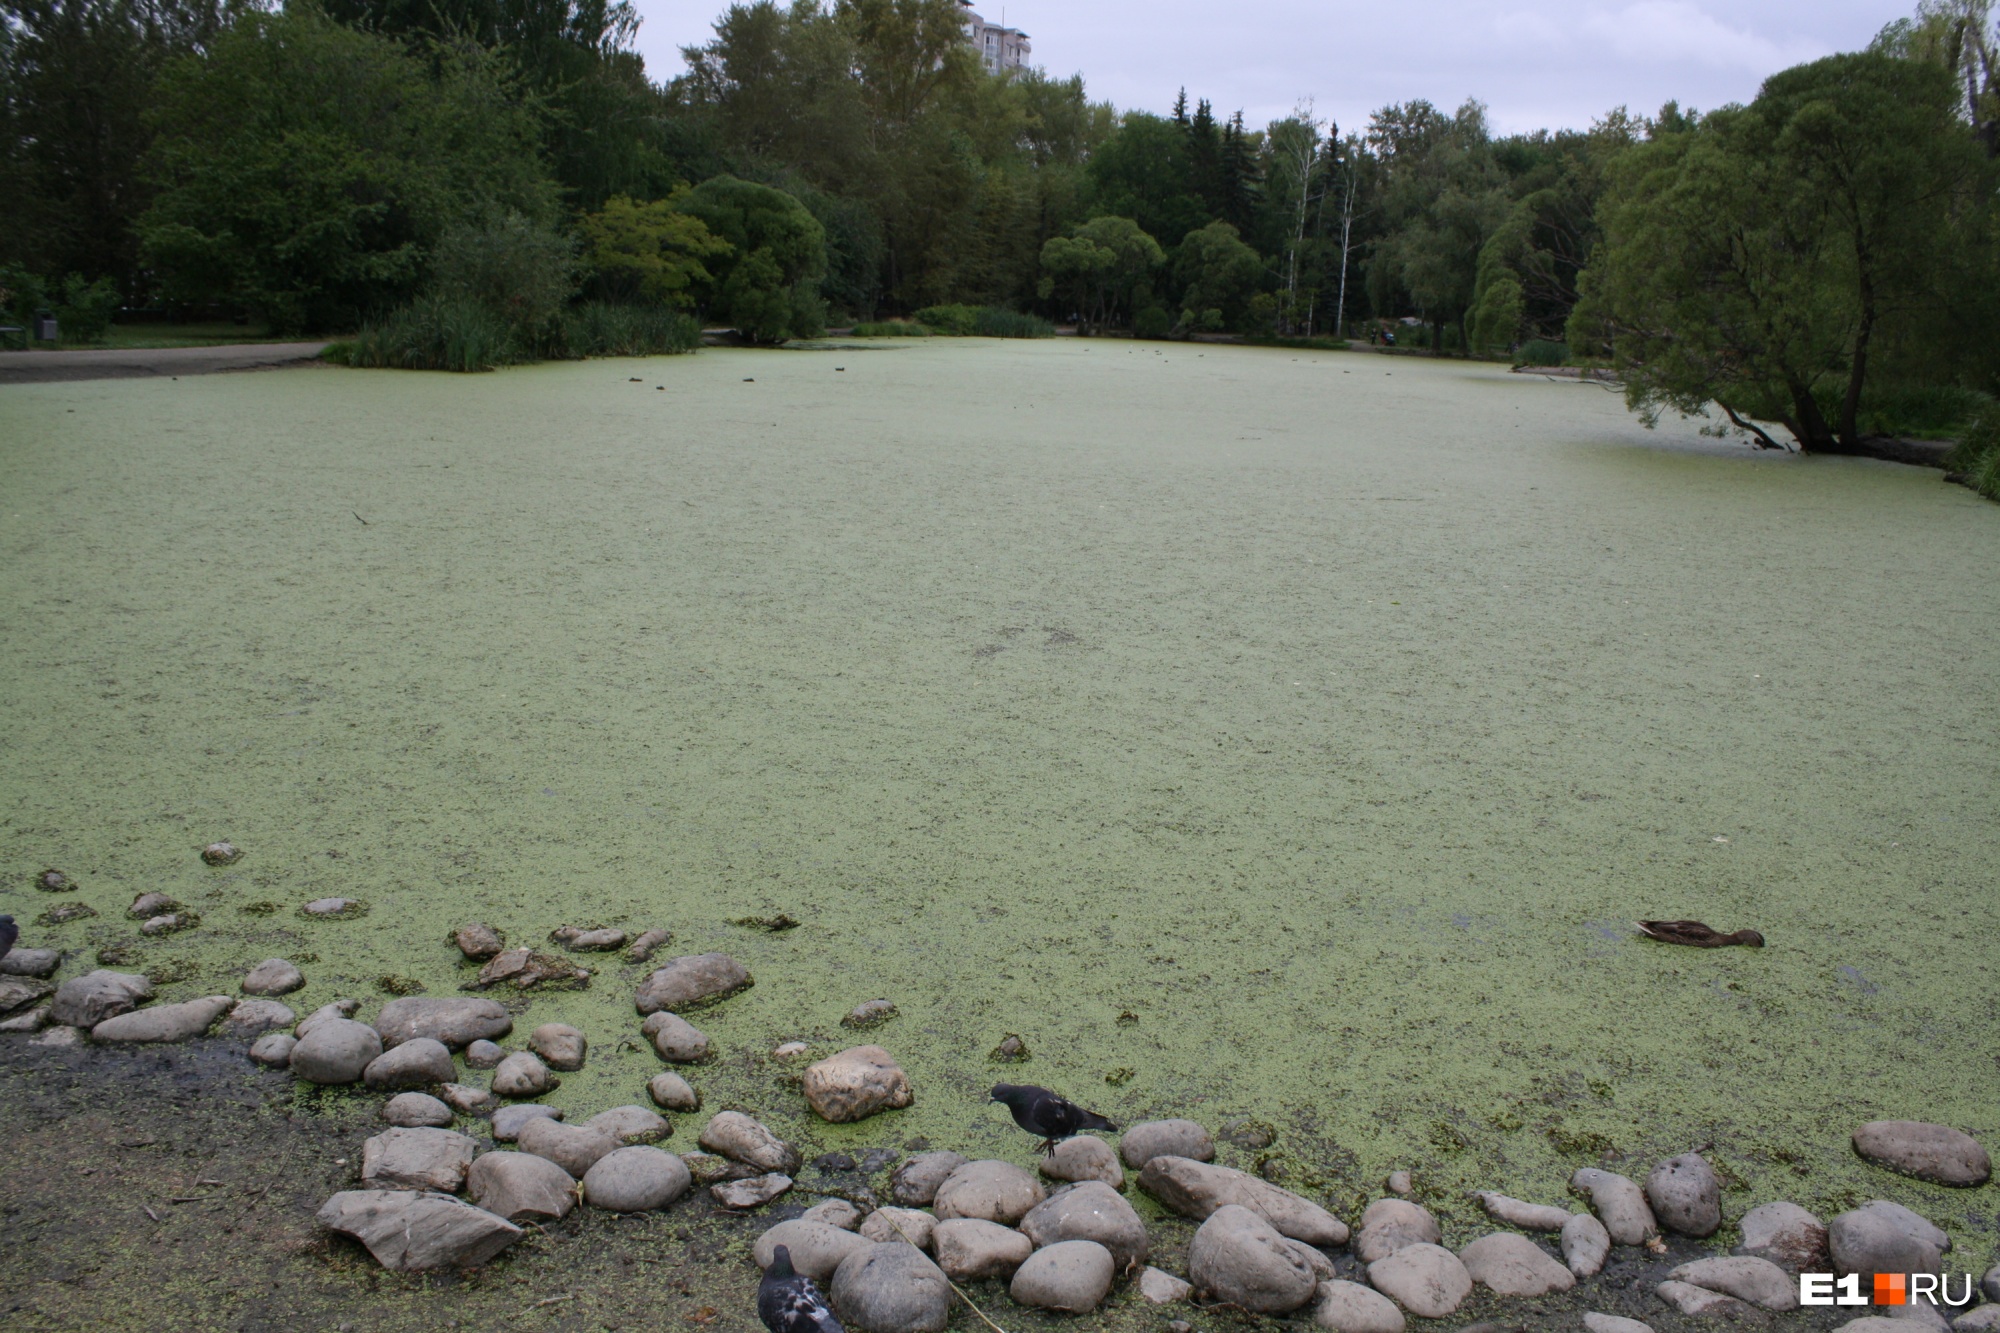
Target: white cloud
<point x="1673" y="32"/>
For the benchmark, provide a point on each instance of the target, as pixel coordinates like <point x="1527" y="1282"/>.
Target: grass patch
<point x="1977" y="457"/>
<point x="466" y="337"/>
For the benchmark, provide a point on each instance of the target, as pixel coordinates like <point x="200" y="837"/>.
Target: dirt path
<point x="148" y="362"/>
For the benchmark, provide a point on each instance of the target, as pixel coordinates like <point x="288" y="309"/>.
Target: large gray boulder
<point x="970" y="1248"/>
<point x="86" y="1001"/>
<point x="890" y="1289"/>
<point x="273" y="976"/>
<point x="251" y="1019"/>
<point x="1071" y="1276"/>
<point x="1936" y="1153"/>
<point x="1083" y="1157"/>
<point x="519" y="1186"/>
<point x="906" y="1224"/>
<point x="691" y="982"/>
<point x="855" y="1084"/>
<point x="164" y="1022"/>
<point x="453" y="1021"/>
<point x="672" y="1092"/>
<point x="1196" y="1189"/>
<point x="632" y="1124"/>
<point x="816" y="1248"/>
<point x="1787" y="1235"/>
<point x="742" y="1139"/>
<point x="1882" y="1237"/>
<point x="915" y="1183"/>
<point x="522" y="1074"/>
<point x="1165" y="1138"/>
<point x="416" y="1159"/>
<point x="417" y="1110"/>
<point x="996" y="1191"/>
<point x="635" y="1180"/>
<point x="410" y="1233"/>
<point x="335" y="1051"/>
<point x="509" y="1120"/>
<point x="1758" y="1281"/>
<point x="1090" y="1211"/>
<point x="1427" y="1280"/>
<point x="674" y="1039"/>
<point x="1686" y="1195"/>
<point x="574" y="1148"/>
<point x="1387" y="1225"/>
<point x="1618" y="1202"/>
<point x="1585" y="1245"/>
<point x="327" y="1013"/>
<point x="1349" y="1307"/>
<point x="560" y="1046"/>
<point x="273" y="1050"/>
<point x="39" y="963"/>
<point x="1509" y="1264"/>
<point x="421" y="1063"/>
<point x="1237" y="1257"/>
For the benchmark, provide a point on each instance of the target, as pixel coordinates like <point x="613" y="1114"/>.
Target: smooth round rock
<point x="1618" y="1202"/>
<point x="221" y="853"/>
<point x="816" y="1248"/>
<point x="690" y="982"/>
<point x="508" y="1120"/>
<point x="855" y="1084"/>
<point x="1881" y="1237"/>
<point x="560" y="1046"/>
<point x="996" y="1191"/>
<point x="1519" y="1213"/>
<point x="911" y="1225"/>
<point x="1597" y="1322"/>
<point x="422" y="1063"/>
<point x="675" y="1039"/>
<point x="1758" y="1281"/>
<point x="1349" y="1307"/>
<point x="1239" y="1258"/>
<point x="149" y="905"/>
<point x="1426" y="1280"/>
<point x="631" y="1124"/>
<point x="1159" y="1287"/>
<point x="1701" y="1303"/>
<point x="1165" y="1138"/>
<point x="574" y="1148"/>
<point x="1787" y="1235"/>
<point x="742" y="1139"/>
<point x="1510" y="1264"/>
<point x="455" y="1022"/>
<point x="335" y="1051"/>
<point x="1084" y="1157"/>
<point x="417" y="1159"/>
<point x="164" y="1022"/>
<point x="478" y="941"/>
<point x="483" y="1054"/>
<point x="86" y="1001"/>
<point x="1390" y="1224"/>
<point x="273" y="976"/>
<point x="468" y="1099"/>
<point x="326" y="1013"/>
<point x="273" y="1050"/>
<point x="915" y="1183"/>
<point x="522" y="1075"/>
<point x="1686" y="1195"/>
<point x="635" y="1180"/>
<point x="415" y="1110"/>
<point x="250" y="1019"/>
<point x="868" y="1013"/>
<point x="1090" y="1211"/>
<point x="672" y="1092"/>
<point x="519" y="1185"/>
<point x="1936" y="1153"/>
<point x="835" y="1213"/>
<point x="1585" y="1245"/>
<point x="970" y="1248"/>
<point x="890" y="1289"/>
<point x="1072" y="1276"/>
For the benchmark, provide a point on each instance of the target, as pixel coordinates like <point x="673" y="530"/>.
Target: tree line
<point x="333" y="163"/>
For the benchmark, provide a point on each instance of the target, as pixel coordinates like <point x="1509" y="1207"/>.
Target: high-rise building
<point x="1002" y="49"/>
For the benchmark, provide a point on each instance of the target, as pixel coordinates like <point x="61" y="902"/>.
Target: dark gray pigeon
<point x="9" y="932"/>
<point x="790" y="1302"/>
<point x="1042" y="1112"/>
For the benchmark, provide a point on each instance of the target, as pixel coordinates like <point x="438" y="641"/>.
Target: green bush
<point x="1977" y="456"/>
<point x="952" y="321"/>
<point x="432" y="333"/>
<point x="891" y="328"/>
<point x="599" y="328"/>
<point x="519" y="270"/>
<point x="1156" y="322"/>
<point x="1927" y="412"/>
<point x="767" y="287"/>
<point x="992" y="321"/>
<point x="84" y="313"/>
<point x="1542" y="352"/>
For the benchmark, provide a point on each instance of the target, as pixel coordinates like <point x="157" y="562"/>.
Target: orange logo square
<point x="1892" y="1289"/>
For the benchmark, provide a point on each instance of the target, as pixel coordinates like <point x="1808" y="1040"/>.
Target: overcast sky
<point x="1533" y="62"/>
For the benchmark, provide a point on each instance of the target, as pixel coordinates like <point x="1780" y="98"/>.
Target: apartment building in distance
<point x="1001" y="48"/>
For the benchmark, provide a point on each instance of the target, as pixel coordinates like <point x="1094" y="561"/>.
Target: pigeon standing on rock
<point x="9" y="932"/>
<point x="1042" y="1112"/>
<point x="790" y="1302"/>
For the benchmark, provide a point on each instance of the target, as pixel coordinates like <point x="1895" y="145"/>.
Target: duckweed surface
<point x="1283" y="740"/>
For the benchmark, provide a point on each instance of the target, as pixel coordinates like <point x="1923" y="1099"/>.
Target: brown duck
<point x="1696" y="934"/>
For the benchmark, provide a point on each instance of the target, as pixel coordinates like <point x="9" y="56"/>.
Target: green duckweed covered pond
<point x="1262" y="736"/>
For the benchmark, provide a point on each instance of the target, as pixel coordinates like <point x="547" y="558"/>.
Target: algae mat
<point x="1261" y="736"/>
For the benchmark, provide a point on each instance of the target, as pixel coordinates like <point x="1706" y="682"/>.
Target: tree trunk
<point x="1857" y="374"/>
<point x="1437" y="337"/>
<point x="1814" y="436"/>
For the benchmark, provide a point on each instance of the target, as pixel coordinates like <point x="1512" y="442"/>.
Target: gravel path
<point x="144" y="363"/>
